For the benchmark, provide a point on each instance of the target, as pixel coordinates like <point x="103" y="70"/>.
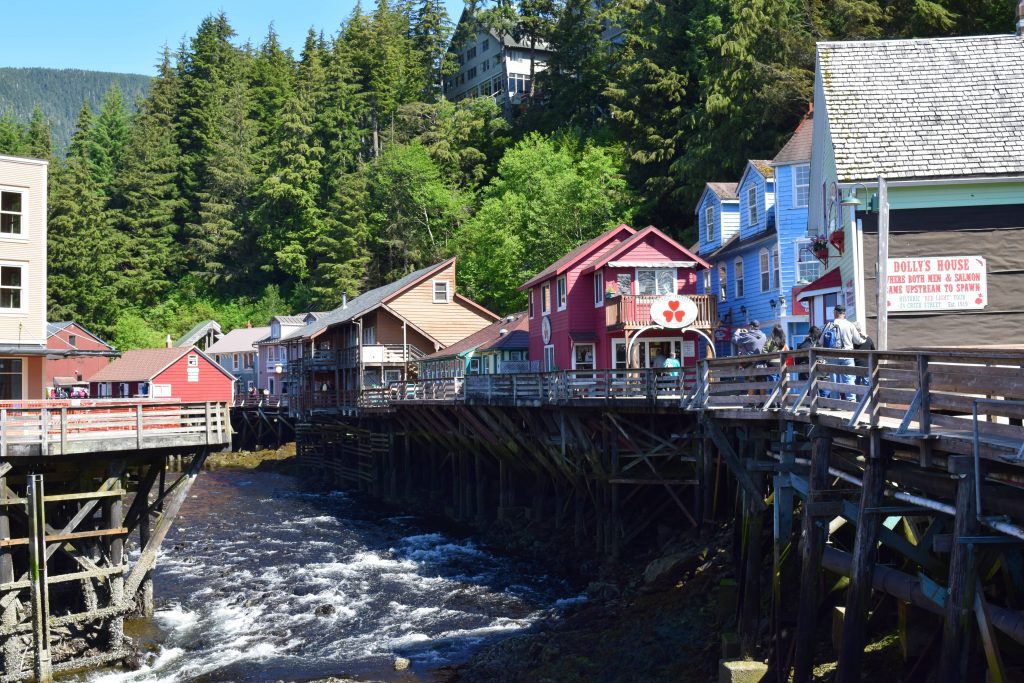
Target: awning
<point x="23" y="350"/>
<point x="586" y="337"/>
<point x="829" y="283"/>
<point x="651" y="264"/>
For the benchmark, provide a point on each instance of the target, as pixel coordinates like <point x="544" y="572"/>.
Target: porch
<point x="633" y="312"/>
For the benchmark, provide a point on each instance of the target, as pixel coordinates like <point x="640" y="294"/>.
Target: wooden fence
<point x="111" y="426"/>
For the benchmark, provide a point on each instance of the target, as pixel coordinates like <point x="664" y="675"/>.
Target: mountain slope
<point x="60" y="92"/>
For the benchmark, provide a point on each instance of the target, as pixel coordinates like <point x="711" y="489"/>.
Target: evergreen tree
<point x="108" y="139"/>
<point x="11" y="134"/>
<point x="578" y="68"/>
<point x="38" y="140"/>
<point x="431" y="30"/>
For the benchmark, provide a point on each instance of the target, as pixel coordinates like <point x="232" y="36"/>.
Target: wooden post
<point x="42" y="666"/>
<point x="957" y="629"/>
<point x="146" y="589"/>
<point x="811" y="549"/>
<point x="614" y="523"/>
<point x="138" y="426"/>
<point x="10" y="654"/>
<point x="113" y="517"/>
<point x="750" y="609"/>
<point x="862" y="569"/>
<point x="63" y="430"/>
<point x="882" y="338"/>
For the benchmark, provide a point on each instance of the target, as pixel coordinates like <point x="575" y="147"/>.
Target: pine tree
<point x="108" y="138"/>
<point x="578" y="68"/>
<point x="38" y="140"/>
<point x="272" y="75"/>
<point x="431" y="31"/>
<point x="11" y="134"/>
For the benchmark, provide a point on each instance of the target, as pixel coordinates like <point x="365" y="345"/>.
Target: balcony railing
<point x="631" y="312"/>
<point x="373" y="354"/>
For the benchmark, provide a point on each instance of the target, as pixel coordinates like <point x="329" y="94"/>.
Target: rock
<point x="324" y="610"/>
<point x="670" y="565"/>
<point x="741" y="671"/>
<point x="603" y="590"/>
<point x="401" y="663"/>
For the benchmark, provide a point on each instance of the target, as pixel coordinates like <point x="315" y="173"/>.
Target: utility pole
<point x="882" y="268"/>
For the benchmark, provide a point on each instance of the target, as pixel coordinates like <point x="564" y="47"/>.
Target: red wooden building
<point x="186" y="374"/>
<point x="81" y="353"/>
<point x="585" y="307"/>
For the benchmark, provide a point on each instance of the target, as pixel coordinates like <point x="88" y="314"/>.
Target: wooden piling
<point x="42" y="666"/>
<point x="10" y="655"/>
<point x="957" y="626"/>
<point x="811" y="549"/>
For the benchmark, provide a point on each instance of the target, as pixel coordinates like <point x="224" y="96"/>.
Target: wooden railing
<point x="111" y="426"/>
<point x="633" y="312"/>
<point x="372" y="354"/>
<point x="259" y="401"/>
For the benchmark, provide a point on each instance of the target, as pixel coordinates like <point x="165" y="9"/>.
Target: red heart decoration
<point x="668" y="316"/>
<point x="673" y="304"/>
<point x="679" y="316"/>
<point x="978" y="300"/>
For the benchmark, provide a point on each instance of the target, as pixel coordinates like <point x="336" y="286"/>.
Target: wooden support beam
<point x="956" y="630"/>
<point x="42" y="665"/>
<point x="811" y="550"/>
<point x="736" y="464"/>
<point x="10" y="651"/>
<point x="862" y="573"/>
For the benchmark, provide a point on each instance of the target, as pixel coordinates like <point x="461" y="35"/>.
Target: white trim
<point x="593" y="349"/>
<point x="793" y="202"/>
<point x="739" y="285"/>
<point x="561" y="293"/>
<point x="23" y="309"/>
<point x="709" y="223"/>
<point x="24" y="160"/>
<point x="974" y="180"/>
<point x="22" y="236"/>
<point x="599" y="288"/>
<point x="752" y="205"/>
<point x="764" y="267"/>
<point x="651" y="264"/>
<point x="447" y="291"/>
<point x="545" y="367"/>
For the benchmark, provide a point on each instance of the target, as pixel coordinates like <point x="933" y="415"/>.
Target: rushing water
<point x="260" y="581"/>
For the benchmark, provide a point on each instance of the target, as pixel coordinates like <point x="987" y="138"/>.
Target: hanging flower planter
<point x="838" y="240"/>
<point x="819" y="247"/>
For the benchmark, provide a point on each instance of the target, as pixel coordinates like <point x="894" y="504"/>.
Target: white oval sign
<point x="545" y="330"/>
<point x="674" y="311"/>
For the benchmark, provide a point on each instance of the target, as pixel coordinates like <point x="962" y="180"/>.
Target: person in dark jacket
<point x="867" y="345"/>
<point x="810" y="341"/>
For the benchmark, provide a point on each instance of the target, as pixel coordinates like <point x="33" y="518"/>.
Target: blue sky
<point x="129" y="35"/>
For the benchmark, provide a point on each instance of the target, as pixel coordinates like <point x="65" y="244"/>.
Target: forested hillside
<point x="255" y="181"/>
<point x="58" y="95"/>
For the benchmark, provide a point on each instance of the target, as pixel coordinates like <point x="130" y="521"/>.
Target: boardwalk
<point x="907" y="482"/>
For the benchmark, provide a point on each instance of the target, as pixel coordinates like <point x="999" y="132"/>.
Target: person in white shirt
<point x="848" y="336"/>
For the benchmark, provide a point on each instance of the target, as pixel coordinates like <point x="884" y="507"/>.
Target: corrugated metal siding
<point x="28" y="176"/>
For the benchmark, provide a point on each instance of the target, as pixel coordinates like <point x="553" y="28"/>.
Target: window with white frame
<point x="709" y="223"/>
<point x="808" y="267"/>
<point x="801" y="185"/>
<point x="655" y="281"/>
<point x="775" y="266"/>
<point x="598" y="288"/>
<point x="11" y="287"/>
<point x="440" y="291"/>
<point x="485" y="45"/>
<point x="193" y="360"/>
<point x="531" y="304"/>
<point x="549" y="358"/>
<point x="752" y="205"/>
<point x="562" y="294"/>
<point x="234" y="361"/>
<point x="766" y="274"/>
<point x="518" y="83"/>
<point x="738" y="275"/>
<point x="545" y="298"/>
<point x="11" y="379"/>
<point x="723" y="278"/>
<point x="11" y="214"/>
<point x="707" y="281"/>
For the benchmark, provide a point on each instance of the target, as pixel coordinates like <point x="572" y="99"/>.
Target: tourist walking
<point x="841" y="334"/>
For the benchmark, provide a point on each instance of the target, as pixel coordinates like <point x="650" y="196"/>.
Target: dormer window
<point x="709" y="223"/>
<point x="752" y="205"/>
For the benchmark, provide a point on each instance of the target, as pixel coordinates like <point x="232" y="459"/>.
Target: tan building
<point x="22" y="278"/>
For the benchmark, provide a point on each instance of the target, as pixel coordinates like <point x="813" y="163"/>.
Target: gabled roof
<point x="726" y="192"/>
<point x="517" y="336"/>
<point x="142" y="365"/>
<point x="291" y="320"/>
<point x="635" y="239"/>
<point x="198" y="332"/>
<point x="830" y="282"/>
<point x="368" y="301"/>
<point x="761" y="166"/>
<point x="578" y="254"/>
<point x="797" y="149"/>
<point x="242" y="340"/>
<point x="54" y="328"/>
<point x="930" y="108"/>
<point x="735" y="244"/>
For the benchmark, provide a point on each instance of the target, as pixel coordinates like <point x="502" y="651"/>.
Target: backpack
<point x="830" y="336"/>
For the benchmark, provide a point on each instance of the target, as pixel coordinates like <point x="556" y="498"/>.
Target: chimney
<point x="248" y="324"/>
<point x="344" y="296"/>
<point x="168" y="342"/>
<point x="1020" y="19"/>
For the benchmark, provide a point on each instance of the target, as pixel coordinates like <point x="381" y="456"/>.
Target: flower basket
<point x="822" y="255"/>
<point x="819" y="247"/>
<point x="838" y="240"/>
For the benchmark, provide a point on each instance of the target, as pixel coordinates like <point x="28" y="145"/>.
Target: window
<point x="10" y="213"/>
<point x="625" y="283"/>
<point x="531" y="304"/>
<point x="752" y="205"/>
<point x="808" y="268"/>
<point x="738" y="268"/>
<point x="474" y="367"/>
<point x="722" y="279"/>
<point x="707" y="282"/>
<point x="656" y="281"/>
<point x="549" y="358"/>
<point x="801" y="185"/>
<point x="10" y="287"/>
<point x="440" y="291"/>
<point x="270" y="383"/>
<point x="369" y="336"/>
<point x="766" y="275"/>
<point x="545" y="298"/>
<point x="518" y="83"/>
<point x="485" y="45"/>
<point x="193" y="360"/>
<point x="709" y="223"/>
<point x="486" y="66"/>
<point x="470" y="53"/>
<point x="583" y="357"/>
<point x="496" y="86"/>
<point x="73" y="341"/>
<point x="775" y="267"/>
<point x="10" y="379"/>
<point x="598" y="288"/>
<point x="561" y="293"/>
<point x="234" y="361"/>
<point x="471" y="74"/>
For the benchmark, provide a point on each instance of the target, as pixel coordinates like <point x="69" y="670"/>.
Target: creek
<point x="260" y="580"/>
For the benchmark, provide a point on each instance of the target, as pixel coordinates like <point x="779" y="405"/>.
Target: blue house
<point x="758" y="250"/>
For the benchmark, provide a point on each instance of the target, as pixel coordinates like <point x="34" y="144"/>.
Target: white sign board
<point x="944" y="283"/>
<point x="674" y="311"/>
<point x="192" y="374"/>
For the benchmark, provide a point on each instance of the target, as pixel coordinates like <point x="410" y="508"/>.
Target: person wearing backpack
<point x="844" y="335"/>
